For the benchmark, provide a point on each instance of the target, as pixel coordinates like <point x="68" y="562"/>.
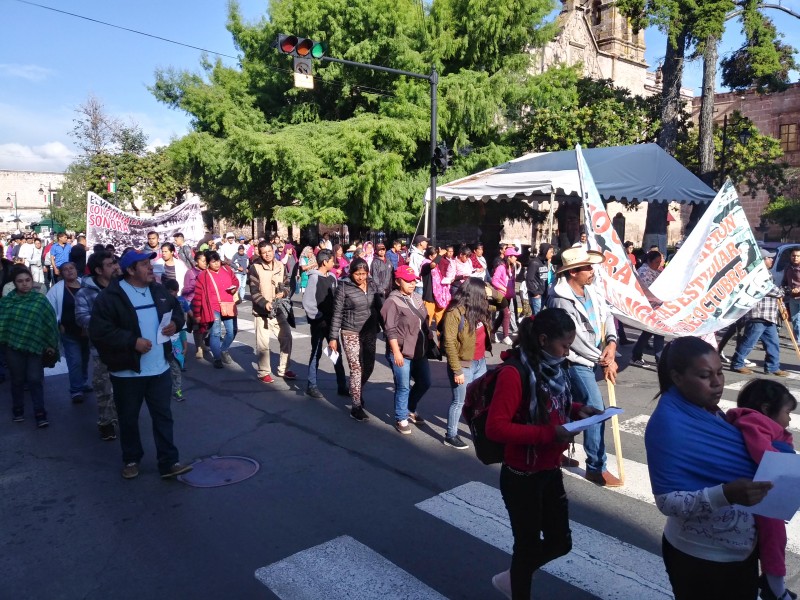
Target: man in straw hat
<point x="574" y="293"/>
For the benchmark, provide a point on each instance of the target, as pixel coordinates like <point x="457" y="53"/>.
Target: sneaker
<point x="507" y="341"/>
<point x="315" y="393"/>
<point x="498" y="337"/>
<point x="130" y="470"/>
<point x="107" y="432"/>
<point x="415" y="418"/>
<point x="198" y="354"/>
<point x="226" y="358"/>
<point x="743" y="370"/>
<point x="359" y="414"/>
<point x="178" y="396"/>
<point x="266" y="379"/>
<point x="18" y="418"/>
<point x="640" y="362"/>
<point x="724" y="359"/>
<point x="455" y="442"/>
<point x="780" y="373"/>
<point x="749" y="363"/>
<point x="502" y="583"/>
<point x="175" y="470"/>
<point x="218" y="363"/>
<point x="77" y="399"/>
<point x="289" y="375"/>
<point x="403" y="427"/>
<point x="41" y="421"/>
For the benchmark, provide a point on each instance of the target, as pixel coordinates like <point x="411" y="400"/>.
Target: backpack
<point x="476" y="409"/>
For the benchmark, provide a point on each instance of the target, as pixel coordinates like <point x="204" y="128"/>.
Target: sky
<point x="51" y="62"/>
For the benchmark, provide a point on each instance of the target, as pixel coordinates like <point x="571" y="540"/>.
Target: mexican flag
<point x="112" y="187"/>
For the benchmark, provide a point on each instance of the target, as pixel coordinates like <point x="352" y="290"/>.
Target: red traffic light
<point x="287" y="43"/>
<point x="300" y="47"/>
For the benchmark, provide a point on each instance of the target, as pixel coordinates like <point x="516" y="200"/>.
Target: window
<point x="789" y="137"/>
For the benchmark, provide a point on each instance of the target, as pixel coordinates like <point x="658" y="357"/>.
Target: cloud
<point x="29" y="72"/>
<point x="51" y="156"/>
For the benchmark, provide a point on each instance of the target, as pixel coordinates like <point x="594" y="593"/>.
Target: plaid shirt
<point x="767" y="307"/>
<point x="28" y="323"/>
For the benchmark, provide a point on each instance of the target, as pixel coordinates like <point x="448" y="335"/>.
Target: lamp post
<point x="50" y="191"/>
<point x="16" y="211"/>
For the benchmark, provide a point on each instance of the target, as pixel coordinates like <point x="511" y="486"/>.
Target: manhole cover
<point x="216" y="471"/>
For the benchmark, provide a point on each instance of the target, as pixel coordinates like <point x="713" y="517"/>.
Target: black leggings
<point x="699" y="579"/>
<point x="537" y="508"/>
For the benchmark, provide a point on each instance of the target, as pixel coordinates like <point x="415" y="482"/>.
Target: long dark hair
<point x="472" y="297"/>
<point x="678" y="355"/>
<point x="554" y="323"/>
<point x="758" y="392"/>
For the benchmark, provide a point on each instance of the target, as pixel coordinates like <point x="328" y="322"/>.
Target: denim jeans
<point x="471" y="373"/>
<point x="641" y="344"/>
<point x="156" y="391"/>
<point x="793" y="305"/>
<point x="536" y="304"/>
<point x="406" y="396"/>
<point x="585" y="390"/>
<point x="768" y="333"/>
<point x="318" y="338"/>
<point x="26" y="368"/>
<point x="242" y="277"/>
<point x="218" y="346"/>
<point x="76" y="352"/>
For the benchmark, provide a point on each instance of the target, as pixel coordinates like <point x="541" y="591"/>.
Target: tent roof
<point x="644" y="172"/>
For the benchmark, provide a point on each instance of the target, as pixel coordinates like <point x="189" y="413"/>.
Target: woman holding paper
<point x="531" y="403"/>
<point x="699" y="470"/>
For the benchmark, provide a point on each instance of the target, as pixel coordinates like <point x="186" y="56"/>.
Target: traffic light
<point x="300" y="47"/>
<point x="442" y="158"/>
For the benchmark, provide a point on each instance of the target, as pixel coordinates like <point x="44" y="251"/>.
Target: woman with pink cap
<point x="503" y="282"/>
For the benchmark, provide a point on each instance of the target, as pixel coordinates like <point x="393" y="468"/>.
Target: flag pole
<point x="612" y="402"/>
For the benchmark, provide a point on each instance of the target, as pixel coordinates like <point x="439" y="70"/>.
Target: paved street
<point x="338" y="508"/>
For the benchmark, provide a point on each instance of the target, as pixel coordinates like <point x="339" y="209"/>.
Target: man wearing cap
<point x="594" y="324"/>
<point x="761" y="323"/>
<point x="416" y="257"/>
<point x="124" y="327"/>
<point x="229" y="249"/>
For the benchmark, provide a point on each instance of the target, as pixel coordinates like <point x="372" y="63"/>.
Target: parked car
<point x="782" y="254"/>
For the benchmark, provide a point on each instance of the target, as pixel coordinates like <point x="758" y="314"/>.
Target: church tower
<point x="613" y="30"/>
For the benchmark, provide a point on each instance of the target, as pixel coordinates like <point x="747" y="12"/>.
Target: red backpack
<point x="476" y="409"/>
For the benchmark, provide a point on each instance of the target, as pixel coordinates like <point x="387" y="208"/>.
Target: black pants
<point x="156" y="391"/>
<point x="537" y="509"/>
<point x="698" y="579"/>
<point x="319" y="336"/>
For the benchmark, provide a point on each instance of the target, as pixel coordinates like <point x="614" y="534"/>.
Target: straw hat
<point x="572" y="258"/>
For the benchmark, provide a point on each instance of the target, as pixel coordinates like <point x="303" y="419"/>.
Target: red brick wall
<point x="768" y="112"/>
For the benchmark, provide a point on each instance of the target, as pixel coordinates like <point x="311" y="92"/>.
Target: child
<point x="180" y="345"/>
<point x="763" y="416"/>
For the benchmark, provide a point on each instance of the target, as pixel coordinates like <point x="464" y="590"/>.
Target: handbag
<point x="49" y="358"/>
<point x="226" y="309"/>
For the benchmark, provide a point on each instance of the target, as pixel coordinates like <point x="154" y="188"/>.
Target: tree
<point x="785" y="209"/>
<point x="94" y="130"/>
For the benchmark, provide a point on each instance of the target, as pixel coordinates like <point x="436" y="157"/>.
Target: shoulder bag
<point x="226" y="309"/>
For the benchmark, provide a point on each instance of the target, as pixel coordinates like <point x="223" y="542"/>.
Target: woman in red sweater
<point x="529" y="417"/>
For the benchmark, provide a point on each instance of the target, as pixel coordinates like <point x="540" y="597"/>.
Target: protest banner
<point x="107" y="224"/>
<point x="716" y="276"/>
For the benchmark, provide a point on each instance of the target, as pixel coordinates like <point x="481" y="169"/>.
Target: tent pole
<point x="550" y="217"/>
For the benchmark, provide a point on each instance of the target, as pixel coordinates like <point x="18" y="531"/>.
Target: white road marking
<point x="600" y="564"/>
<point x="738" y="385"/>
<point x="342" y="569"/>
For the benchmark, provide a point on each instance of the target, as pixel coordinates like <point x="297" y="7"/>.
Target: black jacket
<point x="536" y="277"/>
<point x="354" y="310"/>
<point x="382" y="272"/>
<point x="114" y="326"/>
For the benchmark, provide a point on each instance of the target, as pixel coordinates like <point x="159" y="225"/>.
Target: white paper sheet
<point x="331" y="353"/>
<point x="577" y="426"/>
<point x="165" y="320"/>
<point x="783" y="500"/>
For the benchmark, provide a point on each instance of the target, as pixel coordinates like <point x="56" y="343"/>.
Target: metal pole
<point x="434" y="79"/>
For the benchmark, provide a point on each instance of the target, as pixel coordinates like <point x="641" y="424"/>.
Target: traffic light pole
<point x="433" y="79"/>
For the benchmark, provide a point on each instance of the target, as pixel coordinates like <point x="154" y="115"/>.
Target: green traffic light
<point x="318" y="50"/>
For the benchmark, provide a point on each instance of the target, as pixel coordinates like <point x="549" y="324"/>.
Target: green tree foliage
<point x="785" y="209"/>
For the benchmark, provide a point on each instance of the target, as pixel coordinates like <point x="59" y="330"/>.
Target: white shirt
<point x="228" y="250"/>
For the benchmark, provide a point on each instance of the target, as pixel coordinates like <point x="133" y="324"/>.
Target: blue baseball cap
<point x="131" y="257"/>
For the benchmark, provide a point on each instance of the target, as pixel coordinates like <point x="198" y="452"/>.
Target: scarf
<point x="553" y="379"/>
<point x="689" y="448"/>
<point x="28" y="323"/>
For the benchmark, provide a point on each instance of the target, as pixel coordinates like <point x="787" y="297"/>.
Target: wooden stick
<point x="612" y="401"/>
<point x="784" y="316"/>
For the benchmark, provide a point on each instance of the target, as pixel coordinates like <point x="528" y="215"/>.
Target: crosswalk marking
<point x="738" y="385"/>
<point x="342" y="569"/>
<point x="636" y="425"/>
<point x="600" y="564"/>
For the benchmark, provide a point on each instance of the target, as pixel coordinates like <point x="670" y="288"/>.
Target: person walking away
<point x="28" y="329"/>
<point x="594" y="325"/>
<point x="648" y="272"/>
<point x="263" y="277"/>
<point x="189" y="284"/>
<point x="763" y="416"/>
<point x="531" y="403"/>
<point x="700" y="471"/>
<point x="73" y="337"/>
<point x="503" y="282"/>
<point x="240" y="263"/>
<point x="124" y="328"/>
<point x="761" y="323"/>
<point x="539" y="276"/>
<point x="214" y="309"/>
<point x="318" y="302"/>
<point x="406" y="326"/>
<point x="103" y="267"/>
<point x="77" y="255"/>
<point x="356" y="316"/>
<point x="466" y="339"/>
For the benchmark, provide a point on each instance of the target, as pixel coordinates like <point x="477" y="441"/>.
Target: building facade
<point x="26" y="197"/>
